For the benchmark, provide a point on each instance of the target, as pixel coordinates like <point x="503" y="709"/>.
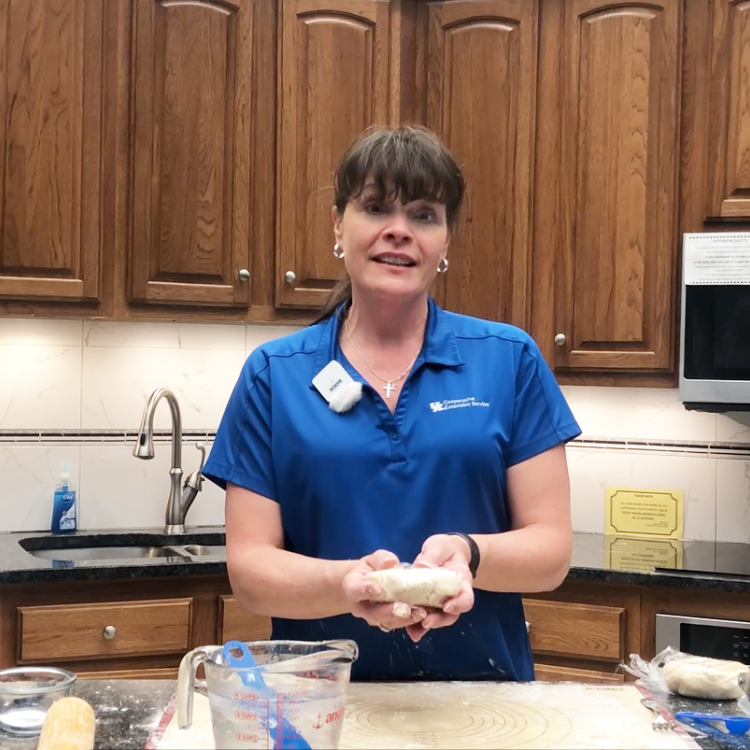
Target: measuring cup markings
<point x="239" y="695"/>
<point x="245" y="715"/>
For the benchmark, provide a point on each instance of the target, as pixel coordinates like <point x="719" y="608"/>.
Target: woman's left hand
<point x="451" y="552"/>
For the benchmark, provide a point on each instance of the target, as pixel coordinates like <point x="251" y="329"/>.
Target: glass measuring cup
<point x="294" y="698"/>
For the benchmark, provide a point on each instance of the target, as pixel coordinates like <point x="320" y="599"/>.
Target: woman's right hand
<point x="363" y="595"/>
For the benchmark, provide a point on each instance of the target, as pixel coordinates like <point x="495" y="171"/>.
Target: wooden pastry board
<point x="472" y="715"/>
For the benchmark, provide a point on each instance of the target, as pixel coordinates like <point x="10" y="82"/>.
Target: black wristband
<point x="473" y="548"/>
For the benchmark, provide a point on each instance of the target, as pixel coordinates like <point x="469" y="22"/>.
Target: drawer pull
<point x="109" y="632"/>
<point x="528" y="626"/>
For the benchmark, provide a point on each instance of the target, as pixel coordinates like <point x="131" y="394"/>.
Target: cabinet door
<point x="235" y="624"/>
<point x="614" y="233"/>
<point x="190" y="193"/>
<point x="729" y="120"/>
<point x="338" y="76"/>
<point x="480" y="58"/>
<point x="52" y="78"/>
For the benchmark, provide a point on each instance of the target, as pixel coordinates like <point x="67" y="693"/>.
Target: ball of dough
<point x="701" y="677"/>
<point x="417" y="587"/>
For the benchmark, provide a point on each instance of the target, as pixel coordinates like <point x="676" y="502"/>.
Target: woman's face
<point x="390" y="248"/>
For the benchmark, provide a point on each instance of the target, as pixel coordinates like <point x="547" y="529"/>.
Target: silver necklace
<point x="390" y="385"/>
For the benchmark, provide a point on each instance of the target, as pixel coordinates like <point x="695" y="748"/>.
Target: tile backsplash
<point x="60" y="375"/>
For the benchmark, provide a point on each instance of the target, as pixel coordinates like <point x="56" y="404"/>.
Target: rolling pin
<point x="68" y="725"/>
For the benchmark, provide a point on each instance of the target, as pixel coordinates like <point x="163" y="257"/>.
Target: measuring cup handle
<point x="186" y="683"/>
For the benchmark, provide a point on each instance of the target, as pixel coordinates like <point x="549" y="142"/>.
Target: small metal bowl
<point x="25" y="695"/>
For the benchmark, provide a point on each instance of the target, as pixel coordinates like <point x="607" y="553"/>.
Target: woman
<point x="453" y="456"/>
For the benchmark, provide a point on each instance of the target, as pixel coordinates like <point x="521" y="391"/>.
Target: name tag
<point x="331" y="378"/>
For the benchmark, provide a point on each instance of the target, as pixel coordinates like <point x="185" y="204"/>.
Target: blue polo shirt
<point x="479" y="399"/>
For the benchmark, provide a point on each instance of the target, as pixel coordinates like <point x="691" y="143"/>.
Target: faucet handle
<point x="195" y="479"/>
<point x="202" y="449"/>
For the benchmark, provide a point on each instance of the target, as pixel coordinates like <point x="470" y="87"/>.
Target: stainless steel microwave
<point x="704" y="636"/>
<point x="715" y="322"/>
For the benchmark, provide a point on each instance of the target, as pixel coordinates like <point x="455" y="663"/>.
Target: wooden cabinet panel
<point x="552" y="673"/>
<point x="480" y="60"/>
<point x="52" y="80"/>
<point x="237" y="624"/>
<point x="165" y="673"/>
<point x="588" y="630"/>
<point x="336" y="80"/>
<point x="62" y="633"/>
<point x="619" y="112"/>
<point x="729" y="122"/>
<point x="190" y="224"/>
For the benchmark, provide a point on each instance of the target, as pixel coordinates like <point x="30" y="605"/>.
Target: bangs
<point x="408" y="164"/>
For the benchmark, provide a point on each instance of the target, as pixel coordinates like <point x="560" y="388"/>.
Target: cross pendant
<point x="388" y="387"/>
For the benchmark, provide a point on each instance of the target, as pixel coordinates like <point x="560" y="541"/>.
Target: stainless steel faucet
<point x="179" y="502"/>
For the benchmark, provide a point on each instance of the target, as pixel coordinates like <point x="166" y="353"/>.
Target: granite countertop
<point x="17" y="565"/>
<point x="718" y="566"/>
<point x="670" y="563"/>
<point x="128" y="711"/>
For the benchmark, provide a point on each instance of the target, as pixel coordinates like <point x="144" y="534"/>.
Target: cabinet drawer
<point x="553" y="673"/>
<point x="77" y="631"/>
<point x="235" y="624"/>
<point x="590" y="630"/>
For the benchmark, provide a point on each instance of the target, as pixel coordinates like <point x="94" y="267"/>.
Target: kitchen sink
<point x="127" y="553"/>
<point x="83" y="548"/>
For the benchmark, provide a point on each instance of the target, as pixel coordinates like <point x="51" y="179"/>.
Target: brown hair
<point x="407" y="163"/>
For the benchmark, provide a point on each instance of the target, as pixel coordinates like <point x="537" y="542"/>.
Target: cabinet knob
<point x="290" y="277"/>
<point x="528" y="626"/>
<point x="560" y="339"/>
<point x="109" y="632"/>
<point x="244" y="274"/>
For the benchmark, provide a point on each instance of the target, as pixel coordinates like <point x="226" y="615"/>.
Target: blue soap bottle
<point x="64" y="507"/>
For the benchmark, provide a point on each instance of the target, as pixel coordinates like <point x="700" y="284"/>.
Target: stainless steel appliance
<point x="715" y="322"/>
<point x="704" y="636"/>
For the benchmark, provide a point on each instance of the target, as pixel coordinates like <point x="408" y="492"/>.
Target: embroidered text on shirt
<point x="456" y="403"/>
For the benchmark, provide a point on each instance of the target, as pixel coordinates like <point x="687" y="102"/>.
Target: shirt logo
<point x="456" y="403"/>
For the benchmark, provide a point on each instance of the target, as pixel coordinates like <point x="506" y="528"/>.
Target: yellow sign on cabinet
<point x="643" y="513"/>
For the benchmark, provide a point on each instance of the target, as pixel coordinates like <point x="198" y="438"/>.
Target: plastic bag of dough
<point x="692" y="676"/>
<point x="416" y="586"/>
<point x="701" y="677"/>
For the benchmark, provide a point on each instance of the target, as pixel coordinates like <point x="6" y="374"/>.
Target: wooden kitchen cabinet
<point x="584" y="631"/>
<point x="723" y="122"/>
<point x="477" y="63"/>
<point x="152" y="151"/>
<point x="236" y="623"/>
<point x="728" y="134"/>
<point x="120" y="629"/>
<point x="190" y="223"/>
<point x="606" y="208"/>
<point x="55" y="74"/>
<point x="339" y="74"/>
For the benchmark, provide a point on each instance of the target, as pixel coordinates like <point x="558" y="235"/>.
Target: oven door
<point x="704" y="636"/>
